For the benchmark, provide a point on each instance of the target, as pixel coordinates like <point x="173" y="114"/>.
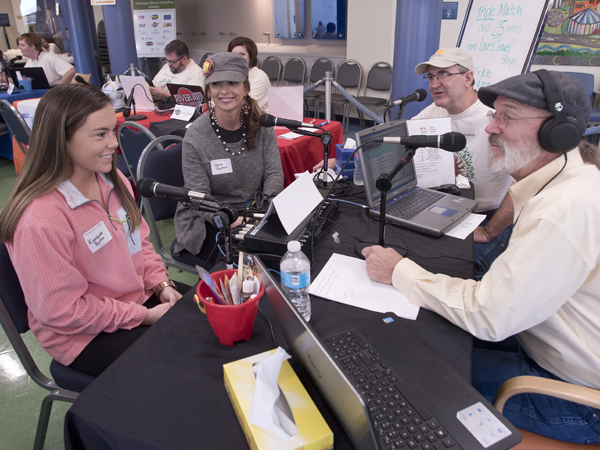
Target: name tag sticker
<point x="221" y="166"/>
<point x="97" y="237"/>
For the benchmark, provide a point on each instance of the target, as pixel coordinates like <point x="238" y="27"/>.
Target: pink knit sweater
<point x="82" y="273"/>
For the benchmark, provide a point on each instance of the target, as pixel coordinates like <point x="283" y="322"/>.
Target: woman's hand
<point x="153" y="314"/>
<point x="169" y="295"/>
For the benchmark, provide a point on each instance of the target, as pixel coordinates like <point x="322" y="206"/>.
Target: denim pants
<point x="485" y="254"/>
<point x="540" y="414"/>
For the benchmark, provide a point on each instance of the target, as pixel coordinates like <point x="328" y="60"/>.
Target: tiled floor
<point x="20" y="398"/>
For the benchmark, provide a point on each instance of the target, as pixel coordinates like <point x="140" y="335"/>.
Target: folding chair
<point x="164" y="165"/>
<point x="317" y="72"/>
<point x="294" y="72"/>
<point x="272" y="67"/>
<point x="13" y="317"/>
<point x="379" y="81"/>
<point x="16" y="124"/>
<point x="133" y="139"/>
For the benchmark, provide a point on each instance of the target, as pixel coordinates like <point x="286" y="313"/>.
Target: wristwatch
<point x="159" y="288"/>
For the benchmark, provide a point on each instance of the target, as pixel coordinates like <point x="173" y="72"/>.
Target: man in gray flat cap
<point x="545" y="287"/>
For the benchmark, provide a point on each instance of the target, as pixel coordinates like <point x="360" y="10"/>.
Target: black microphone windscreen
<point x="144" y="187"/>
<point x="266" y="120"/>
<point x="18" y="57"/>
<point x="422" y="93"/>
<point x="453" y="141"/>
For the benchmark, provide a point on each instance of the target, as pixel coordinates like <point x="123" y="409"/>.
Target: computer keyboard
<point x="413" y="203"/>
<point x="400" y="419"/>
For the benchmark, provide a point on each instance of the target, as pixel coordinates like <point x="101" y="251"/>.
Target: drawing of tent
<point x="585" y="22"/>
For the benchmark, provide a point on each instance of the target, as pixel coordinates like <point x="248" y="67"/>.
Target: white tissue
<point x="268" y="404"/>
<point x="350" y="143"/>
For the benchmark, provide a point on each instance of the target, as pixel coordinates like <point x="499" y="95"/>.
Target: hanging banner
<point x="154" y="25"/>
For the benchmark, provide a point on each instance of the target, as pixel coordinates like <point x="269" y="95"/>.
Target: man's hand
<point x="159" y="93"/>
<point x="330" y="165"/>
<point x="481" y="236"/>
<point x="381" y="263"/>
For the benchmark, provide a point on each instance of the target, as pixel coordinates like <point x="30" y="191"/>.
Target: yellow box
<point x="313" y="431"/>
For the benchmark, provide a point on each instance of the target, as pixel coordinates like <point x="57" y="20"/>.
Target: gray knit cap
<point x="528" y="89"/>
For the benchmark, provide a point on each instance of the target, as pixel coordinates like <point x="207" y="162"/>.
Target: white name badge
<point x="221" y="166"/>
<point x="97" y="237"/>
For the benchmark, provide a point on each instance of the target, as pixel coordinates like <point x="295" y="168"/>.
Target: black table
<point x="167" y="391"/>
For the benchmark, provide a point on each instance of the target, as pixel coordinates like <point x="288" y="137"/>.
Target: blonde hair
<point x="60" y="113"/>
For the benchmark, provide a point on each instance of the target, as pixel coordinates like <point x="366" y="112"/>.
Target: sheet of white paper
<point x="296" y="202"/>
<point x="466" y="227"/>
<point x="434" y="166"/>
<point x="142" y="96"/>
<point x="286" y="102"/>
<point x="345" y="280"/>
<point x="182" y="112"/>
<point x="290" y="136"/>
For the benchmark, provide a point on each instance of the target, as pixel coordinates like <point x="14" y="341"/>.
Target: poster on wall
<point x="572" y="34"/>
<point x="154" y="25"/>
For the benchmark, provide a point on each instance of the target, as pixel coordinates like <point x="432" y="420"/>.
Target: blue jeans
<point x="485" y="254"/>
<point x="540" y="414"/>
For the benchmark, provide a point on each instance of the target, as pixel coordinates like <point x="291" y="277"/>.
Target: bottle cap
<point x="248" y="287"/>
<point x="293" y="246"/>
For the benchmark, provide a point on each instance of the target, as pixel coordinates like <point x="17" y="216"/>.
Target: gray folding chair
<point x="16" y="124"/>
<point x="378" y="89"/>
<point x="133" y="139"/>
<point x="294" y="72"/>
<point x="349" y="76"/>
<point x="13" y="317"/>
<point x="317" y="72"/>
<point x="272" y="67"/>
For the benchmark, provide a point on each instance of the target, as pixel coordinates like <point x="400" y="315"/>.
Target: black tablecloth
<point x="167" y="391"/>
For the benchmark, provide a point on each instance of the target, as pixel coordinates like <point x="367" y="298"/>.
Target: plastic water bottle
<point x="295" y="278"/>
<point x="358" y="178"/>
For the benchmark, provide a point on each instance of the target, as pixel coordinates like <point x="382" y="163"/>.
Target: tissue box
<point x="341" y="156"/>
<point x="313" y="431"/>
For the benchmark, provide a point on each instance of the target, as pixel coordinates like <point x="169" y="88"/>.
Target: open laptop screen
<point x="379" y="157"/>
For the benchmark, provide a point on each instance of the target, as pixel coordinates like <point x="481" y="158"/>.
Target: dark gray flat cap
<point x="528" y="89"/>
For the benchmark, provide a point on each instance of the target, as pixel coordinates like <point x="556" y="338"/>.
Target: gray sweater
<point x="253" y="170"/>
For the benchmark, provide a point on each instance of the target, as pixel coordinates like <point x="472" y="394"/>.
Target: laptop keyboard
<point x="413" y="203"/>
<point x="400" y="419"/>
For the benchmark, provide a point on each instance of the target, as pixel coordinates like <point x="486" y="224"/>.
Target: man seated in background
<point x="57" y="70"/>
<point x="451" y="84"/>
<point x="545" y="287"/>
<point x="178" y="69"/>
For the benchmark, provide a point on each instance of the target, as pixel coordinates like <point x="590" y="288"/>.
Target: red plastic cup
<point x="229" y="322"/>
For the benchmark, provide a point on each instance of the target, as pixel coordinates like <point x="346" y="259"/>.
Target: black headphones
<point x="558" y="134"/>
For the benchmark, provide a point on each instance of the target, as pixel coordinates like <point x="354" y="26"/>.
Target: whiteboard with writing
<point x="502" y="37"/>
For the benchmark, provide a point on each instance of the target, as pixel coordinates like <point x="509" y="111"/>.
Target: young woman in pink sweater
<point x="91" y="278"/>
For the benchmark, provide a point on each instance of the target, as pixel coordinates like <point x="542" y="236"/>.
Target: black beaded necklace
<point x="227" y="136"/>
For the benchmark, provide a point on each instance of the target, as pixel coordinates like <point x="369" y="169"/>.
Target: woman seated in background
<point x="91" y="278"/>
<point x="259" y="80"/>
<point x="226" y="153"/>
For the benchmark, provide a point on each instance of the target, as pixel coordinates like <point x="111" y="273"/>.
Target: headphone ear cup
<point x="557" y="136"/>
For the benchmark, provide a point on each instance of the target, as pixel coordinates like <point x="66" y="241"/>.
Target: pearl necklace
<point x="217" y="128"/>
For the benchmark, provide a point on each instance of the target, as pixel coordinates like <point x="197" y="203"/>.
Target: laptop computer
<point x="37" y="75"/>
<point x="186" y="94"/>
<point x="399" y="393"/>
<point x="440" y="213"/>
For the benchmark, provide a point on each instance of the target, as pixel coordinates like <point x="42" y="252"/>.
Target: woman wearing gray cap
<point x="226" y="153"/>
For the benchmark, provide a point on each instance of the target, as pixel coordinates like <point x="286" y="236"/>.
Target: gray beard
<point x="515" y="156"/>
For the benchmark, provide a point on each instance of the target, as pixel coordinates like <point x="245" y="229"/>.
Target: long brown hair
<point x="250" y="120"/>
<point x="60" y="113"/>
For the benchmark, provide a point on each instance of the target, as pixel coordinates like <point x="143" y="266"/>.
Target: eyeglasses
<point x="504" y="120"/>
<point x="165" y="60"/>
<point x="442" y="76"/>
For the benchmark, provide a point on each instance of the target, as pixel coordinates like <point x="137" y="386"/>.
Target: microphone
<point x="268" y="121"/>
<point x="149" y="187"/>
<point x="130" y="102"/>
<point x="16" y="58"/>
<point x="80" y="79"/>
<point x="418" y="96"/>
<point x="452" y="142"/>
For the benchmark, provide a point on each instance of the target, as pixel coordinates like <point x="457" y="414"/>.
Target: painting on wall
<point x="572" y="34"/>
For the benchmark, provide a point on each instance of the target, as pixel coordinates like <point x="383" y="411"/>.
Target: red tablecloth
<point x="297" y="155"/>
